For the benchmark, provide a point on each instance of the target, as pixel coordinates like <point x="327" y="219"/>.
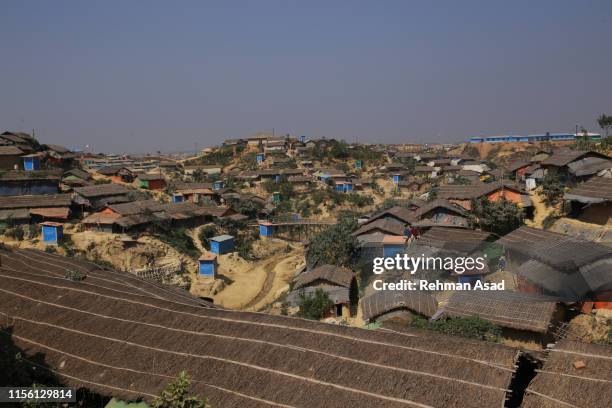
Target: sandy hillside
<point x="253" y="285"/>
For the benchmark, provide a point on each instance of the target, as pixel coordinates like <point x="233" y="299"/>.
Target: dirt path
<point x="254" y="285"/>
<point x="172" y="255"/>
<point x="279" y="275"/>
<point x="541" y="211"/>
<point x="195" y="236"/>
<point x="267" y="285"/>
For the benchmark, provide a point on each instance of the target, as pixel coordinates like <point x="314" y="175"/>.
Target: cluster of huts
<point x="49" y="185"/>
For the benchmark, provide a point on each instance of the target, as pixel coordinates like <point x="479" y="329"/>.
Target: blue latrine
<point x="260" y="157"/>
<point x="218" y="185"/>
<point x="393" y="245"/>
<point x="178" y="198"/>
<point x="52" y="232"/>
<point x="222" y="244"/>
<point x="207" y="265"/>
<point x="31" y="162"/>
<point x="266" y="229"/>
<point x="397" y="178"/>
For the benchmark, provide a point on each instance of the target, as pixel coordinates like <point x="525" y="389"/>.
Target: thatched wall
<point x="119" y="335"/>
<point x="560" y="384"/>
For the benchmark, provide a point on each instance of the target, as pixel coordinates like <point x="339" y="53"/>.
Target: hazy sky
<point x="147" y="76"/>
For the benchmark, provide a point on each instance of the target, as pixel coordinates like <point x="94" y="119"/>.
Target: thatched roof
<point x="150" y="177"/>
<point x="402" y="214"/>
<point x="133" y="207"/>
<point x="522" y="311"/>
<point x="25" y="175"/>
<point x="101" y="190"/>
<point x="560" y="251"/>
<point x="453" y="239"/>
<point x="336" y="275"/>
<point x="112" y="170"/>
<point x="440" y="203"/>
<point x="385" y="301"/>
<point x="517" y="165"/>
<point x="560" y="384"/>
<point x="35" y="201"/>
<point x="474" y="191"/>
<point x="564" y="157"/>
<point x="117" y="334"/>
<point x="596" y="190"/>
<point x="10" y="151"/>
<point x="337" y="294"/>
<point x="180" y="186"/>
<point x="589" y="166"/>
<point x="380" y="225"/>
<point x="82" y="174"/>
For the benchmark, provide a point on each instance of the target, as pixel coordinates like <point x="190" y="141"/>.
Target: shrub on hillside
<point x="179" y="240"/>
<point x="472" y="327"/>
<point x="15" y="233"/>
<point x="175" y="395"/>
<point x="334" y="245"/>
<point x="499" y="217"/>
<point x="552" y="189"/>
<point x="207" y="232"/>
<point x="314" y="306"/>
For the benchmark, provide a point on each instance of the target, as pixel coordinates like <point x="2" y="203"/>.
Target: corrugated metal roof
<point x="221" y="238"/>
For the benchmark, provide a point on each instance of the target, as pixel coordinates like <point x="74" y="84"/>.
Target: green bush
<point x="75" y="276"/>
<point x="179" y="240"/>
<point x="499" y="217"/>
<point x="207" y="232"/>
<point x="314" y="306"/>
<point x="334" y="245"/>
<point x="15" y="233"/>
<point x="552" y="189"/>
<point x="359" y="200"/>
<point x="470" y="327"/>
<point x="549" y="221"/>
<point x="175" y="395"/>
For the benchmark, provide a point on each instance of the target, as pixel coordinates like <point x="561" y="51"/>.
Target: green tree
<point x="198" y="175"/>
<point x="175" y="395"/>
<point x="472" y="327"/>
<point x="249" y="208"/>
<point x="605" y="123"/>
<point x="334" y="245"/>
<point x="314" y="306"/>
<point x="499" y="217"/>
<point x="552" y="189"/>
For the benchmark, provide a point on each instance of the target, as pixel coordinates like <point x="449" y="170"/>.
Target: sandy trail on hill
<point x="256" y="284"/>
<point x="277" y="280"/>
<point x="541" y="211"/>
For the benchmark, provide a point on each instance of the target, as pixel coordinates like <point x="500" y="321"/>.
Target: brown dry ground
<point x="589" y="328"/>
<point x="541" y="210"/>
<point x="588" y="231"/>
<point x="253" y="285"/>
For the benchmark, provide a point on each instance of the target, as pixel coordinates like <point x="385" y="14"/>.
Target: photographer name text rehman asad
<point x="436" y="285"/>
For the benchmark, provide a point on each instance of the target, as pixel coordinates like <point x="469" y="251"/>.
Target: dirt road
<point x="257" y="284"/>
<point x="541" y="211"/>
